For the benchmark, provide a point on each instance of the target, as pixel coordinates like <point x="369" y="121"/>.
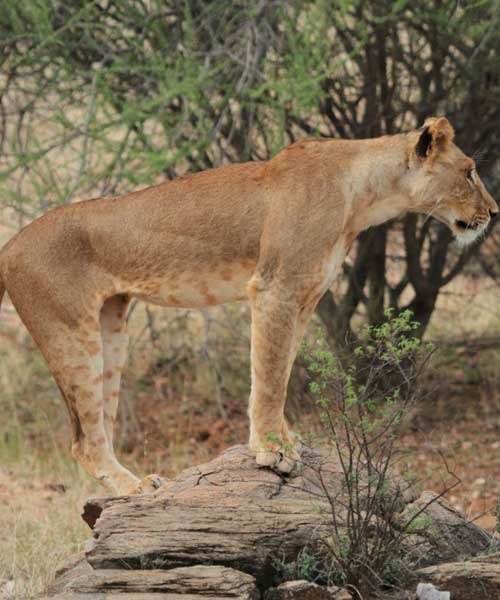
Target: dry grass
<point x="41" y="501"/>
<point x="41" y="489"/>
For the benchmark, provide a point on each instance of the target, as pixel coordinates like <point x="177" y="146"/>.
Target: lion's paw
<point x="149" y="484"/>
<point x="286" y="461"/>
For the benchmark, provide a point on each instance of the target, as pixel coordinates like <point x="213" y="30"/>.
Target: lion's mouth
<point x="467" y="233"/>
<point x="464" y="226"/>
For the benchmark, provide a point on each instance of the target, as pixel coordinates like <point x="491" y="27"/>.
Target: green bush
<point x="364" y="400"/>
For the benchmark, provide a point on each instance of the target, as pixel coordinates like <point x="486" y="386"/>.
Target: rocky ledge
<point x="219" y="530"/>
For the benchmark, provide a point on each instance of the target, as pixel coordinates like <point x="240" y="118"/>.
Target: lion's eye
<point x="470" y="176"/>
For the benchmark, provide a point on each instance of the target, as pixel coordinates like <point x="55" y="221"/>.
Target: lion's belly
<point x="196" y="290"/>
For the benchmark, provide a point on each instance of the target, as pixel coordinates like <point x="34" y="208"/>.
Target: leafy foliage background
<point x="98" y="97"/>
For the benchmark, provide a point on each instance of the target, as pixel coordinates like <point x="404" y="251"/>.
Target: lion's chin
<point x="465" y="232"/>
<point x="468" y="236"/>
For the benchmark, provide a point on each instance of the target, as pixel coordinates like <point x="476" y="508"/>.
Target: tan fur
<point x="273" y="232"/>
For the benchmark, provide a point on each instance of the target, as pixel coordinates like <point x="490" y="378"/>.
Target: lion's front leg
<point x="277" y="327"/>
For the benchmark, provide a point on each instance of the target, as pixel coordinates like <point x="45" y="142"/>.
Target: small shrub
<point x="364" y="399"/>
<point x="307" y="565"/>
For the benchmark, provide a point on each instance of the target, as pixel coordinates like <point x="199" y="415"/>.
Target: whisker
<point x="429" y="214"/>
<point x="480" y="156"/>
<point x="478" y="153"/>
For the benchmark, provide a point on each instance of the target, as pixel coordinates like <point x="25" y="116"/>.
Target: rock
<point x="72" y="570"/>
<point x="192" y="583"/>
<point x="465" y="580"/>
<point x="340" y="594"/>
<point x="441" y="533"/>
<point x="233" y="522"/>
<point x="305" y="590"/>
<point x="493" y="558"/>
<point x="228" y="512"/>
<point x="299" y="590"/>
<point x="426" y="591"/>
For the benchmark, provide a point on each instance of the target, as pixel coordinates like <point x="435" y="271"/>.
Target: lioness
<point x="272" y="232"/>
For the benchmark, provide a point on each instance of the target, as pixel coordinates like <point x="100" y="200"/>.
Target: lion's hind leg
<point x="75" y="358"/>
<point x="115" y="346"/>
<point x="68" y="335"/>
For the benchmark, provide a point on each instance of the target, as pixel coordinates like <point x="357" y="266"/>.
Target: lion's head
<point x="444" y="182"/>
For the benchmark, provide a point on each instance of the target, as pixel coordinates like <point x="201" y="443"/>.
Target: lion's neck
<point x="377" y="190"/>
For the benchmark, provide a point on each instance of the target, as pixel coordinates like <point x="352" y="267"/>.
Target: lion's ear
<point x="435" y="137"/>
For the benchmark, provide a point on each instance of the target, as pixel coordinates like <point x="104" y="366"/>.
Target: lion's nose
<point x="493" y="213"/>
